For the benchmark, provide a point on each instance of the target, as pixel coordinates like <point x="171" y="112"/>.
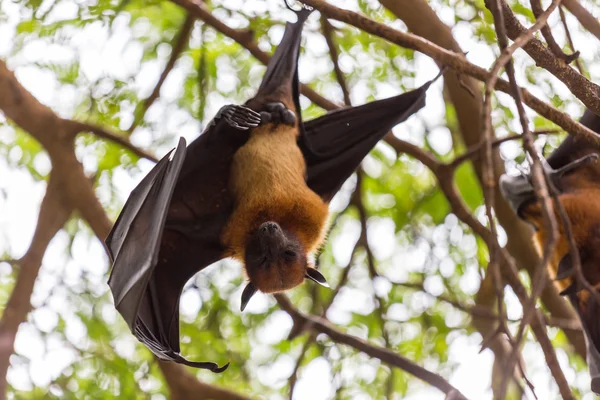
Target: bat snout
<point x="271" y="236"/>
<point x="269" y="228"/>
<point x="517" y="190"/>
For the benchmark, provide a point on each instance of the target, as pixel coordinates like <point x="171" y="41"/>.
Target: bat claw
<point x="277" y="113"/>
<point x="218" y="370"/>
<point x="239" y="117"/>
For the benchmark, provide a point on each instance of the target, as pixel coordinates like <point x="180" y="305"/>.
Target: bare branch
<point x="180" y="44"/>
<point x="339" y="75"/>
<point x="54" y="212"/>
<point x="199" y="10"/>
<point x="569" y="39"/>
<point x="320" y="325"/>
<point x="586" y="91"/>
<point x="452" y="60"/>
<point x="538" y="11"/>
<point x="586" y="18"/>
<point x="444" y="175"/>
<point x="538" y="178"/>
<point x="78" y="127"/>
<point x="184" y="385"/>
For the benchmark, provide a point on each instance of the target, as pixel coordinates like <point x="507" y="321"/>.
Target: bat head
<point x="520" y="194"/>
<point x="275" y="261"/>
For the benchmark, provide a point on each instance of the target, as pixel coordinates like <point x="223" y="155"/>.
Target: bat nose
<point x="269" y="227"/>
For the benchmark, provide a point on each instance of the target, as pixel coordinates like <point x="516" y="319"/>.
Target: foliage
<point x="98" y="61"/>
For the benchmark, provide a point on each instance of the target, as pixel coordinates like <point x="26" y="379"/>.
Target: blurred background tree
<point x="91" y="93"/>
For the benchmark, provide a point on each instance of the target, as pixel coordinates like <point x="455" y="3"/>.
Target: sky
<point x="101" y="53"/>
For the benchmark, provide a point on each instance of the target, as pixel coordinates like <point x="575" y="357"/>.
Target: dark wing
<point x="135" y="247"/>
<point x="335" y="144"/>
<point x="573" y="148"/>
<point x="168" y="230"/>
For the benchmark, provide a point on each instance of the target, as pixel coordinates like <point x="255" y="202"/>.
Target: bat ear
<point x="316" y="276"/>
<point x="565" y="268"/>
<point x="247" y="294"/>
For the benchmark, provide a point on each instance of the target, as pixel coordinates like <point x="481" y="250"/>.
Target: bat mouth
<point x="518" y="192"/>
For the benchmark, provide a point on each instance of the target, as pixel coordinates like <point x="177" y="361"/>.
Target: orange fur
<point x="268" y="182"/>
<point x="583" y="210"/>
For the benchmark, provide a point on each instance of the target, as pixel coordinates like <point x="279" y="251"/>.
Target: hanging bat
<point x="254" y="186"/>
<point x="574" y="174"/>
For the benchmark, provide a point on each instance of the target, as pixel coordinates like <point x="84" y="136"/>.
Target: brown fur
<point x="268" y="183"/>
<point x="582" y="206"/>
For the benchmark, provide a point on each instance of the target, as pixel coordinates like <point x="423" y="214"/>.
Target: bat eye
<point x="289" y="254"/>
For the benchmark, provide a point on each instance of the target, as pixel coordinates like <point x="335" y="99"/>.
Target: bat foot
<point x="277" y="113"/>
<point x="239" y="117"/>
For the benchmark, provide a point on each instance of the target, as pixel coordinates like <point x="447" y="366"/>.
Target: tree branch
<point x="585" y="90"/>
<point x="245" y="38"/>
<point x="176" y="49"/>
<point x="75" y="191"/>
<point x="452" y="60"/>
<point x="54" y="213"/>
<point x="317" y="324"/>
<point x="78" y="127"/>
<point x="184" y="385"/>
<point x="586" y="18"/>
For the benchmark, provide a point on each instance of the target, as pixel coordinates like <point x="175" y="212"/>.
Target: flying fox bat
<point x="574" y="174"/>
<point x="254" y="186"/>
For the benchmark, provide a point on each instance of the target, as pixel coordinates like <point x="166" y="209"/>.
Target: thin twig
<point x="333" y="52"/>
<point x="476" y="310"/>
<point x="569" y="39"/>
<point x="445" y="57"/>
<point x="474" y="152"/>
<point x="444" y="174"/>
<point x="587" y="20"/>
<point x="320" y="325"/>
<point x="538" y="178"/>
<point x="180" y="44"/>
<point x="536" y="7"/>
<point x="585" y="90"/>
<point x="78" y="127"/>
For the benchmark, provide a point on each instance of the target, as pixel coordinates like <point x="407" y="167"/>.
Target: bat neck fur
<point x="583" y="210"/>
<point x="268" y="183"/>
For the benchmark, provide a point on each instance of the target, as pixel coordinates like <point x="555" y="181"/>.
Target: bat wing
<point x="334" y="145"/>
<point x="572" y="147"/>
<point x="151" y="264"/>
<point x="588" y="311"/>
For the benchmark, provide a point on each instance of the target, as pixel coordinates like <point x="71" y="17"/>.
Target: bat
<point x="254" y="186"/>
<point x="573" y="172"/>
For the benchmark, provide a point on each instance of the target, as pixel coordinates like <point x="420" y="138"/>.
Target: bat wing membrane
<point x="334" y="145"/>
<point x="152" y="264"/>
